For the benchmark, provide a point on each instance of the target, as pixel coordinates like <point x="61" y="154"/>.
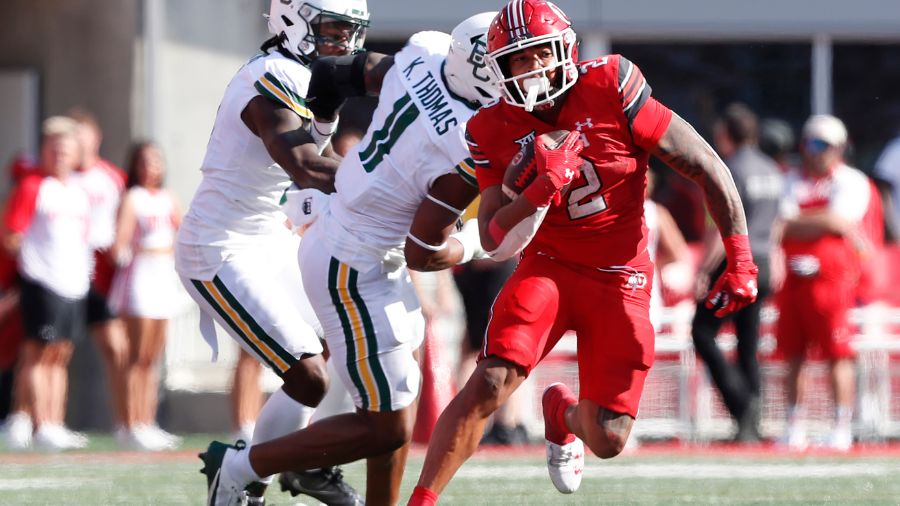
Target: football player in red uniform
<point x="587" y="268"/>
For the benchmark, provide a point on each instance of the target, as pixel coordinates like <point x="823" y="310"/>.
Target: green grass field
<point x="661" y="475"/>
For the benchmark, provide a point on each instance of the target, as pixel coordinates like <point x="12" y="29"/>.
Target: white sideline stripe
<point x="690" y="471"/>
<point x="42" y="483"/>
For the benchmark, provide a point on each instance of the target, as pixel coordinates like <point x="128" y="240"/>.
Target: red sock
<point x="562" y="434"/>
<point x="422" y="496"/>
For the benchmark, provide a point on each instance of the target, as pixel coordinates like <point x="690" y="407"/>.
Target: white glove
<point x="470" y="239"/>
<point x="302" y="207"/>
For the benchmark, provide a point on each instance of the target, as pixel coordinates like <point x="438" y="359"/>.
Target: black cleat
<point x="256" y="493"/>
<point x="219" y="493"/>
<point x="326" y="484"/>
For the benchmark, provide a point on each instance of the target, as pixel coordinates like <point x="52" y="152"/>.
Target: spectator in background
<point x="887" y="174"/>
<point x="759" y="182"/>
<point x="11" y="330"/>
<point x="104" y="183"/>
<point x="778" y="142"/>
<point x="144" y="290"/>
<point x="824" y="203"/>
<point x="46" y="226"/>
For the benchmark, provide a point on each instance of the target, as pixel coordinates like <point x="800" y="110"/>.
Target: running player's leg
<point x="373" y="323"/>
<point x="254" y="296"/>
<point x="615" y="352"/>
<point x="524" y="323"/>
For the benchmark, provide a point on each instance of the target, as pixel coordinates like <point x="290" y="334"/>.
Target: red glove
<point x="556" y="168"/>
<point x="736" y="287"/>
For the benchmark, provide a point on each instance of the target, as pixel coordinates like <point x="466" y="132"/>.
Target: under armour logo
<point x="570" y="174"/>
<point x="583" y="125"/>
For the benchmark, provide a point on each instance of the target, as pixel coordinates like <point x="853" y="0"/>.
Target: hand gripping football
<point x="522" y="169"/>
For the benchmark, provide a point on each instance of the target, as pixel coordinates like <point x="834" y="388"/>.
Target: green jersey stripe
<point x="258" y="331"/>
<point x="384" y="391"/>
<point x="333" y="268"/>
<point x="201" y="289"/>
<point x="384" y="148"/>
<point x="383" y="132"/>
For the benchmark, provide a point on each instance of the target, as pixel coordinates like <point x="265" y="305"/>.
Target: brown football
<point x="522" y="169"/>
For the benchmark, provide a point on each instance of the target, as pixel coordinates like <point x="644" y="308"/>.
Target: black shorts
<point x="47" y="316"/>
<point x="478" y="284"/>
<point x="98" y="310"/>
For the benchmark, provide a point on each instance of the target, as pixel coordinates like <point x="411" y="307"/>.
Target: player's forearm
<point x="812" y="226"/>
<point x="505" y="219"/>
<point x="446" y="258"/>
<point x="682" y="148"/>
<point x="302" y="162"/>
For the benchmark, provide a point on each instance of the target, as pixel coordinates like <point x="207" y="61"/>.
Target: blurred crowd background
<point x="156" y="69"/>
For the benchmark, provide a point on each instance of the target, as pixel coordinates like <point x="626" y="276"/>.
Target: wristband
<point x="540" y="192"/>
<point x="321" y="132"/>
<point x="737" y="249"/>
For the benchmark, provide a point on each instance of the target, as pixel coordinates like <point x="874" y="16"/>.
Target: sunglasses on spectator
<point x="815" y="146"/>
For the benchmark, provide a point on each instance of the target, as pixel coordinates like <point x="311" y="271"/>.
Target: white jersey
<point x="103" y="182"/>
<point x="154" y="211"/>
<point x="53" y="218"/>
<point x="416" y="136"/>
<point x="238" y="199"/>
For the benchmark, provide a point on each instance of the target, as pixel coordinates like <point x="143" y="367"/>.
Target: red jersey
<point x="601" y="220"/>
<point x="845" y="192"/>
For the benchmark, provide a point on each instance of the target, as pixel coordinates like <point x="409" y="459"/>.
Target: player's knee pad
<point x="533" y="299"/>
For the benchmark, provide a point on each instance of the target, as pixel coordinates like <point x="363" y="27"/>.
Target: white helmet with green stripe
<point x="297" y="23"/>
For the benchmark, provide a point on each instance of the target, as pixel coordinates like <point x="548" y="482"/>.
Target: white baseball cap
<point x="825" y="127"/>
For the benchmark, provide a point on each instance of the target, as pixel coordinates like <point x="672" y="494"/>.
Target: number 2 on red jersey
<point x="591" y="189"/>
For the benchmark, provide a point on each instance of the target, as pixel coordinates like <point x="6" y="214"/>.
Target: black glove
<point x="333" y="80"/>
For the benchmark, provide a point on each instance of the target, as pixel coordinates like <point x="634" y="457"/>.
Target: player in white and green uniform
<point x="402" y="187"/>
<point x="234" y="253"/>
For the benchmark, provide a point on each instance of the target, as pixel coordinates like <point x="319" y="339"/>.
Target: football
<point x="522" y="169"/>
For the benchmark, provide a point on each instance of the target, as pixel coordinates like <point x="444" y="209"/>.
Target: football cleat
<point x="565" y="463"/>
<point x="222" y="490"/>
<point x="326" y="484"/>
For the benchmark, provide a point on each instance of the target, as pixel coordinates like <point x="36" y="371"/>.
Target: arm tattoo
<point x="682" y="149"/>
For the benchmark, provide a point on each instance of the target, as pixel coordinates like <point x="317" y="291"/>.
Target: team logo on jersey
<point x="476" y="58"/>
<point x="525" y="140"/>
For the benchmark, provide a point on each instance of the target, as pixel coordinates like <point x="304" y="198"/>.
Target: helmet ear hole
<point x="287" y="21"/>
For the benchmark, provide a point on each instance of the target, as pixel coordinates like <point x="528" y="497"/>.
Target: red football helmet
<point x="526" y="23"/>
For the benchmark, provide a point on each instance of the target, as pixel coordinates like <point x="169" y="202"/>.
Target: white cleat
<point x="18" y="432"/>
<point x="794" y="439"/>
<point x="565" y="463"/>
<point x="839" y="440"/>
<point x="55" y="437"/>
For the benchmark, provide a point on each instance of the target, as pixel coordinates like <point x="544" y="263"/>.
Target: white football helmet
<point x="296" y="22"/>
<point x="466" y="69"/>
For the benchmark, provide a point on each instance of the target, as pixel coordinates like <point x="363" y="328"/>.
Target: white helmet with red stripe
<point x="526" y="23"/>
